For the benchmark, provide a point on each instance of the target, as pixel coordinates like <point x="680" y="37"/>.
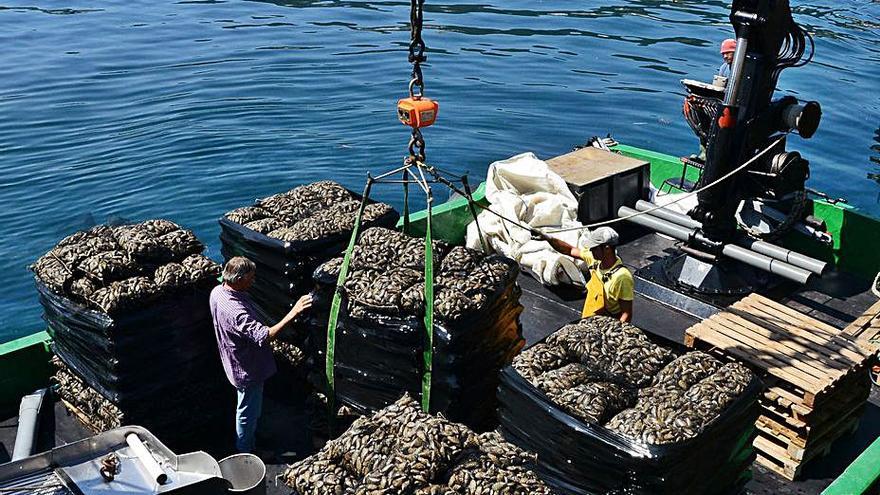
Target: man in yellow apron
<point x="610" y="287"/>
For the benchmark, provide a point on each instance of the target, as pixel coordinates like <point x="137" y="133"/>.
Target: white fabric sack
<point x="523" y="188"/>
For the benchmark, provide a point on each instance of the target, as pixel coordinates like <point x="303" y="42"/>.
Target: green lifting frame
<point x="423" y="175"/>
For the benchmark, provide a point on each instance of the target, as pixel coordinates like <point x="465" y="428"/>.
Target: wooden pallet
<point x="777" y="400"/>
<point x="777" y="458"/>
<point x="806" y="356"/>
<point x="865" y="330"/>
<point x="798" y="442"/>
<point x="816" y="386"/>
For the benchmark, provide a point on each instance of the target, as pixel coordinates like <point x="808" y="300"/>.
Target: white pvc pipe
<point x="792" y="257"/>
<point x="28" y="421"/>
<point x="741" y="254"/>
<point x="149" y="462"/>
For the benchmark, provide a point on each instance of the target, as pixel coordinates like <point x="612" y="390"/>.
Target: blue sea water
<point x="187" y="109"/>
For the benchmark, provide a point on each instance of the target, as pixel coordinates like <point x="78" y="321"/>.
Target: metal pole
<point x="761" y="247"/>
<point x="406" y="201"/>
<point x="797" y="259"/>
<point x="668" y="215"/>
<point x="738" y="253"/>
<point x="736" y="68"/>
<point x="391" y="172"/>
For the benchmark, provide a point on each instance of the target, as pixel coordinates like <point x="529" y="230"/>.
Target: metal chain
<point x="109" y="467"/>
<point x="416" y="48"/>
<point x="416" y="147"/>
<point x="417" y="55"/>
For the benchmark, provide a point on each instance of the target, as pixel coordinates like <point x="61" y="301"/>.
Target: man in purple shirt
<point x="244" y="343"/>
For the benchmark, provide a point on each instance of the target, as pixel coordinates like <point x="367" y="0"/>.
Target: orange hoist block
<point x="417" y="112"/>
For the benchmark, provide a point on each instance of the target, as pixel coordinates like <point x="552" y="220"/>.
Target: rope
<point x="33" y="488"/>
<point x="470" y="198"/>
<point x="406" y="201"/>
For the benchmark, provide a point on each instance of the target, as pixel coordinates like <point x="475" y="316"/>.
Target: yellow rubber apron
<point x="595" y="302"/>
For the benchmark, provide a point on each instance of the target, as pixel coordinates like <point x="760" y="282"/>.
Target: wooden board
<point x="81" y="416"/>
<point x="787" y="400"/>
<point x="777" y="399"/>
<point x="807" y="357"/>
<point x="587" y="165"/>
<point x="777" y="457"/>
<point x="800" y="439"/>
<point x="865" y="330"/>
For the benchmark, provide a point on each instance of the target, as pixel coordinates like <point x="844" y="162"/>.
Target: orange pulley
<point x="417" y="111"/>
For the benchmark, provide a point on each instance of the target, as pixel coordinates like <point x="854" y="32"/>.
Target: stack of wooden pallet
<point x="815" y="377"/>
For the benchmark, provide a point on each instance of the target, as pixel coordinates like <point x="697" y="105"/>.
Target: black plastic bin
<point x="575" y="457"/>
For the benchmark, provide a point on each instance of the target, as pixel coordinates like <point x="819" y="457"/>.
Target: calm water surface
<point x="186" y="110"/>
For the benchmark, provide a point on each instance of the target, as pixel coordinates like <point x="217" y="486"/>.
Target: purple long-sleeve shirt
<point x="243" y="340"/>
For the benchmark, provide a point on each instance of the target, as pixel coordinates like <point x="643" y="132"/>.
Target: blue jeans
<point x="247" y="413"/>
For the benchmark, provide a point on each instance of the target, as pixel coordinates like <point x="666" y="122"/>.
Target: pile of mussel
<point x="118" y="268"/>
<point x="288" y="353"/>
<point x="306" y="213"/>
<point x="98" y="413"/>
<point x="668" y="412"/>
<point x="387" y="274"/>
<point x="606" y="372"/>
<point x="401" y="449"/>
<point x="168" y="412"/>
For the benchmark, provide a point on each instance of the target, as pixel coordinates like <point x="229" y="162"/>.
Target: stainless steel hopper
<point x="133" y="461"/>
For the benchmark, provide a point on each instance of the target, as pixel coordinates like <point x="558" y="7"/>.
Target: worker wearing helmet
<point x="610" y="288"/>
<point x="728" y="46"/>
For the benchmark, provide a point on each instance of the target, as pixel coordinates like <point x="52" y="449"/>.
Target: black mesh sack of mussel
<point x="289" y="234"/>
<point x="380" y="333"/>
<point x="120" y="270"/>
<point x="609" y="410"/>
<point x="174" y="420"/>
<point x="186" y="314"/>
<point x="402" y="450"/>
<point x="127" y="309"/>
<point x="124" y="355"/>
<point x="135" y="383"/>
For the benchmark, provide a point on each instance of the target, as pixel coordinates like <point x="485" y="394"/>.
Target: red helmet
<point x="728" y="46"/>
